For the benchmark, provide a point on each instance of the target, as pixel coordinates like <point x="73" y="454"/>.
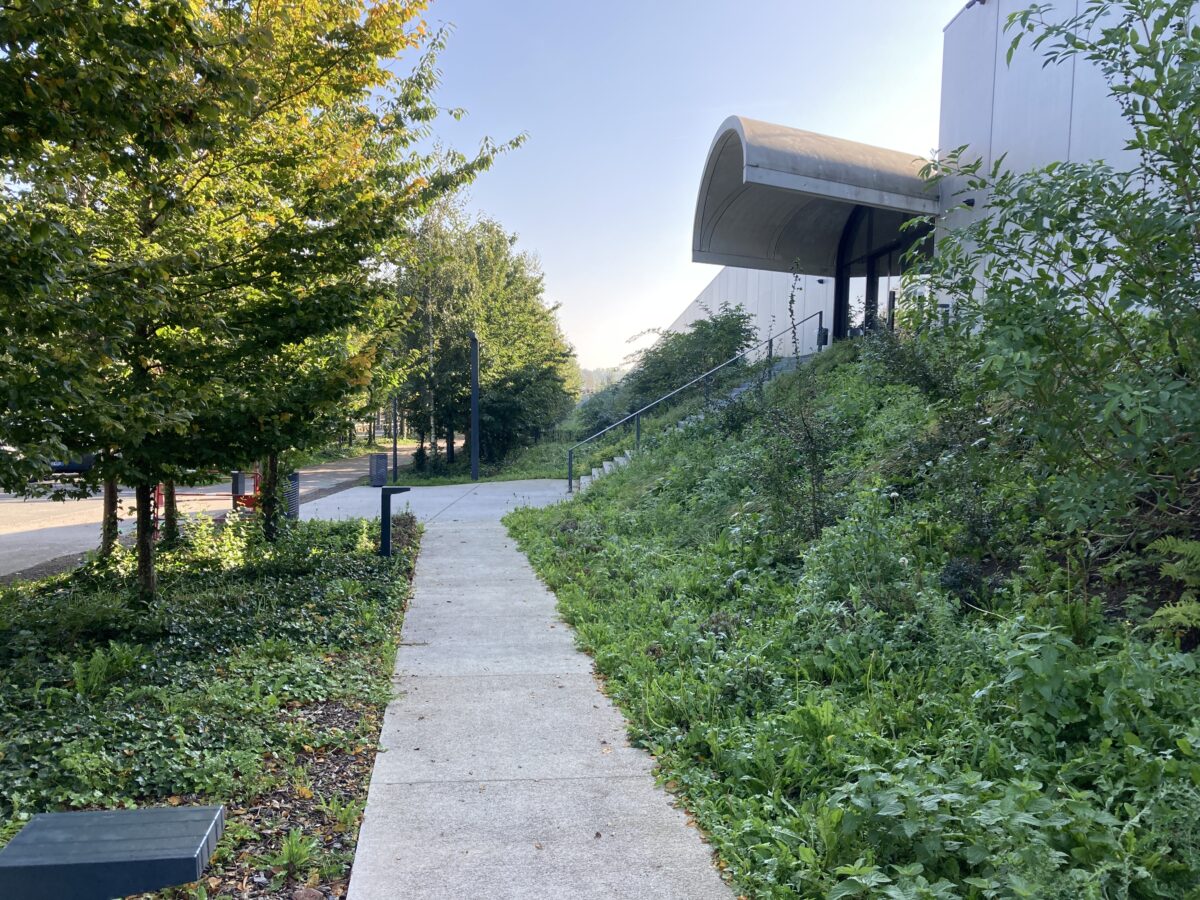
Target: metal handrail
<point x="819" y="315"/>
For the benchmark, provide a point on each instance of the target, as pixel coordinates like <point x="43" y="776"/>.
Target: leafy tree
<point x="1077" y="294"/>
<point x="466" y="277"/>
<point x="300" y="341"/>
<point x="213" y="280"/>
<point x="528" y="373"/>
<point x="437" y="280"/>
<point x="116" y="84"/>
<point x="91" y="91"/>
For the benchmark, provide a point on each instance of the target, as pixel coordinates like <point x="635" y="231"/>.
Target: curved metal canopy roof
<point x="783" y="199"/>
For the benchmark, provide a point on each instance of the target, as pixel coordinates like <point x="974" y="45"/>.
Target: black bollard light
<point x="385" y="518"/>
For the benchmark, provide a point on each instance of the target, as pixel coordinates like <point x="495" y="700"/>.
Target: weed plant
<point x="870" y="664"/>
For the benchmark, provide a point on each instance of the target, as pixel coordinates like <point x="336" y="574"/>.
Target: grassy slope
<point x="260" y="672"/>
<point x="921" y="701"/>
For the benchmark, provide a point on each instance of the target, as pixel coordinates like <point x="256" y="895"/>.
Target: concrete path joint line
<point x="539" y="780"/>
<point x="504" y="771"/>
<point x="452" y="502"/>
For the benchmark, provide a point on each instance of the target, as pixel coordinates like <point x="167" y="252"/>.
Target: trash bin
<point x="291" y="496"/>
<point x="379" y="469"/>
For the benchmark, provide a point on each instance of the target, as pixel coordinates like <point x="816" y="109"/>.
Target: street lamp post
<point x="395" y="438"/>
<point x="474" y="407"/>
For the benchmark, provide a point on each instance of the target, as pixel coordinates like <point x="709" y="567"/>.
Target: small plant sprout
<point x="341" y="812"/>
<point x="295" y="853"/>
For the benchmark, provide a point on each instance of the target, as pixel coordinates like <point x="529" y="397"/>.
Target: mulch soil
<point x="337" y="765"/>
<point x="244" y="871"/>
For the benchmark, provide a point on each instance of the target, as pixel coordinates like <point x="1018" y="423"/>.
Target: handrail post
<point x="637" y="433"/>
<point x="820" y="328"/>
<point x="570" y="471"/>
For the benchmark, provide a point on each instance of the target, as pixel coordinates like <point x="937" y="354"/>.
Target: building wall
<point x="1022" y="110"/>
<point x="1027" y="112"/>
<point x="764" y="295"/>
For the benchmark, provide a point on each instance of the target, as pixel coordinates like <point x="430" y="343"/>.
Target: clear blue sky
<point x="621" y="100"/>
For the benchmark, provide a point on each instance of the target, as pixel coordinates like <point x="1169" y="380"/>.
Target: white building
<point x="775" y="199"/>
<point x="768" y="298"/>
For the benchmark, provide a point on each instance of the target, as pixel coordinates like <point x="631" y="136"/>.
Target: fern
<point x="93" y="674"/>
<point x="1177" y="618"/>
<point x="1185" y="567"/>
<point x="1181" y="563"/>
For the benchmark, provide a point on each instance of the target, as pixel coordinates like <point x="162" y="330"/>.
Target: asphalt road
<point x="36" y="531"/>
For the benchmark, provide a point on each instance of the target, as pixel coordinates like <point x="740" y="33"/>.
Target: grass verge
<point x="257" y="679"/>
<point x="298" y="459"/>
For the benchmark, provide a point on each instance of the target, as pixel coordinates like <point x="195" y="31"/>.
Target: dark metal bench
<point x="102" y="855"/>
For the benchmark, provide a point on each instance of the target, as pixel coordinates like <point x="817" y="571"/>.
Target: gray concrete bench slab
<point x="110" y="853"/>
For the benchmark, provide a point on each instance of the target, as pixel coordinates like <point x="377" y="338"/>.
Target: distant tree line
<point x="464" y="276"/>
<point x="595" y="380"/>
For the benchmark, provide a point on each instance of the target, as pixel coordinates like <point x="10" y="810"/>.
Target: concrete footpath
<point x="504" y="771"/>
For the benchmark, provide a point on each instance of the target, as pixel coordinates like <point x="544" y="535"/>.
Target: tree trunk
<point x="270" y="498"/>
<point x="147" y="581"/>
<point x="170" y="530"/>
<point x="110" y="521"/>
<point x="449" y="445"/>
<point x="350" y="436"/>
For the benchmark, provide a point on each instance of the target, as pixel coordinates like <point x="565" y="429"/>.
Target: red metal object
<point x="248" y="501"/>
<point x="157" y="508"/>
<point x="240" y="501"/>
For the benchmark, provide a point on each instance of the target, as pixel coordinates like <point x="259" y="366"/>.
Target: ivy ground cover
<point x="256" y="679"/>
